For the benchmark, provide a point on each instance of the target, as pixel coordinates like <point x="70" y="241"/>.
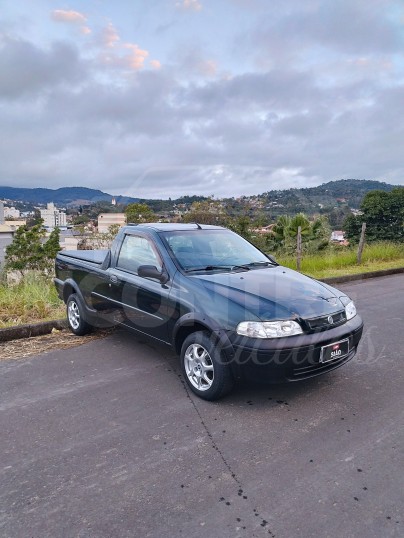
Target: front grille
<point x="311" y="370"/>
<point x="326" y="322"/>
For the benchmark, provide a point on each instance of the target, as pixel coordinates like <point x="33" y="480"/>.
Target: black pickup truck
<point x="223" y="305"/>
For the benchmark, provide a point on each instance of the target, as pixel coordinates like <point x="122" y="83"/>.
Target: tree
<point x="80" y="219"/>
<point x="304" y="223"/>
<point x="337" y="216"/>
<point x="352" y="227"/>
<point x="315" y="234"/>
<point x="383" y="213"/>
<point x="98" y="240"/>
<point x="29" y="252"/>
<point x="138" y="213"/>
<point x="242" y="225"/>
<point x="207" y="212"/>
<point x="281" y="229"/>
<point x="51" y="248"/>
<point x="320" y="228"/>
<point x="35" y="219"/>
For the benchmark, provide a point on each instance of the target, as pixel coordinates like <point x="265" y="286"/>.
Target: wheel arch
<point x="185" y="330"/>
<point x="69" y="287"/>
<point x="193" y="322"/>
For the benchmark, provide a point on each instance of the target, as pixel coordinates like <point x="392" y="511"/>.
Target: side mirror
<point x="150" y="271"/>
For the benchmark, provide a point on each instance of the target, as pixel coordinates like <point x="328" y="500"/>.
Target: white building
<point x="6" y="235"/>
<point x="52" y="217"/>
<point x="338" y="236"/>
<point x="11" y="213"/>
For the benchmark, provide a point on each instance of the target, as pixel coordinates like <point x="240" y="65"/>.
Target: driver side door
<point x="144" y="302"/>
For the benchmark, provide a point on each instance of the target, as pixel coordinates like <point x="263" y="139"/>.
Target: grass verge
<point x="334" y="263"/>
<point x="31" y="300"/>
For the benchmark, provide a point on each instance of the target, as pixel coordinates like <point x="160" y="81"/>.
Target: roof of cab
<point x="173" y="226"/>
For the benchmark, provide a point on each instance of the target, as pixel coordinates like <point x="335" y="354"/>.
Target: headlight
<point x="350" y="310"/>
<point x="268" y="329"/>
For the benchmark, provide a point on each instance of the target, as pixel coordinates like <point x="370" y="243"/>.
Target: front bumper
<point x="292" y="358"/>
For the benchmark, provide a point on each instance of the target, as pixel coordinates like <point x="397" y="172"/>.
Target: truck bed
<point x="89" y="256"/>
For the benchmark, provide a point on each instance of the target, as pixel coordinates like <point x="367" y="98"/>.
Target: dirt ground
<point x="58" y="339"/>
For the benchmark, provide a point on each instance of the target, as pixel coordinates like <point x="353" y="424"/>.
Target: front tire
<point x="204" y="367"/>
<point x="75" y="320"/>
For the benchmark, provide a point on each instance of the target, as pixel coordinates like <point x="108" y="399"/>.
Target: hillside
<point x="344" y="192"/>
<point x="63" y="196"/>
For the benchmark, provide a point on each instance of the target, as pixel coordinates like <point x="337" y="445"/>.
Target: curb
<point x="45" y="327"/>
<point x="363" y="276"/>
<point x="31" y="329"/>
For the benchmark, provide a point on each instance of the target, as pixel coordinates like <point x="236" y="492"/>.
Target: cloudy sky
<point x="159" y="98"/>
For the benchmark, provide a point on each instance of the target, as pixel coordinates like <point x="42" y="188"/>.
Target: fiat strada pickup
<point x="225" y="307"/>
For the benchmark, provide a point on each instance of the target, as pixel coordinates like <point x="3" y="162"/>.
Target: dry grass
<point x="27" y="347"/>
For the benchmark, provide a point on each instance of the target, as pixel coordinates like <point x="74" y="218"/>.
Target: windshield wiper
<point x="217" y="267"/>
<point x="257" y="264"/>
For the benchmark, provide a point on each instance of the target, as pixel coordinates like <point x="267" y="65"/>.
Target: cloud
<point x="299" y="33"/>
<point x="153" y="136"/>
<point x="29" y="70"/>
<point x="127" y="56"/>
<point x="194" y="62"/>
<point x="208" y="68"/>
<point x="73" y="17"/>
<point x="191" y="5"/>
<point x="118" y="54"/>
<point x="113" y="51"/>
<point x="136" y="57"/>
<point x="110" y="36"/>
<point x="308" y="112"/>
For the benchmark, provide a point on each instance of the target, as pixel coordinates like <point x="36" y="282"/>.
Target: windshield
<point x="213" y="250"/>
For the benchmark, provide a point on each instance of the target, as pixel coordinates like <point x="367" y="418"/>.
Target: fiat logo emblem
<point x="330" y="320"/>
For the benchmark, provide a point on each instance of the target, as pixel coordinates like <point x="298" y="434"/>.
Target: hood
<point x="275" y="293"/>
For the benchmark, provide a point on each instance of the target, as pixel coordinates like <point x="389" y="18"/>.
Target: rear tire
<point x="75" y="320"/>
<point x="204" y="366"/>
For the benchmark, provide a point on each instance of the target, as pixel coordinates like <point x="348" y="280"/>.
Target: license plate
<point x="334" y="351"/>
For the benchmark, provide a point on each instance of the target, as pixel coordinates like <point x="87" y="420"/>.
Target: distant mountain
<point x="349" y="192"/>
<point x="63" y="196"/>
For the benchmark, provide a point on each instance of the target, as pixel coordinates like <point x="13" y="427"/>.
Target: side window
<point x="136" y="251"/>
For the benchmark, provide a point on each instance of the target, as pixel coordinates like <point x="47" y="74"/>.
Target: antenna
<point x="198" y="226"/>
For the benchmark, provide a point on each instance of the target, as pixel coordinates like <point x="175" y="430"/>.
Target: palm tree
<point x="304" y="223"/>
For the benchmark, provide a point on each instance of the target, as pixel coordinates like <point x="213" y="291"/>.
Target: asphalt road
<point x="103" y="440"/>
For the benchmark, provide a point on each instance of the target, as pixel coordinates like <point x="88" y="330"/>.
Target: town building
<point x="338" y="236"/>
<point x="52" y="217"/>
<point x="6" y="235"/>
<point x="15" y="223"/>
<point x="68" y="240"/>
<point x="11" y="213"/>
<point x="105" y="220"/>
